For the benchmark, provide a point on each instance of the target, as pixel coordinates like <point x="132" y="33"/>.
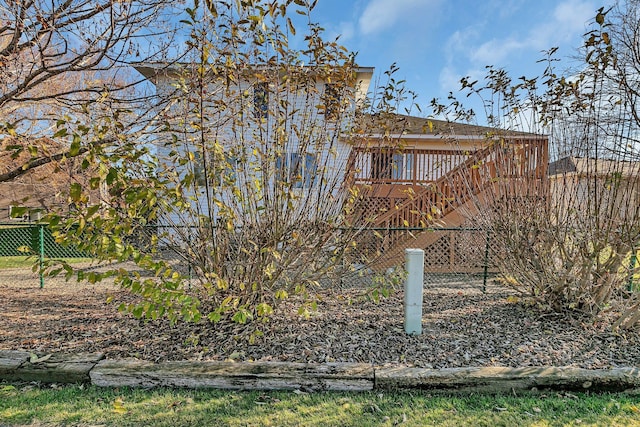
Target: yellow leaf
<point x="118" y="406"/>
<point x="119" y="410"/>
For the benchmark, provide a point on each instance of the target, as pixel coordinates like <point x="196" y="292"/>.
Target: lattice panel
<point x="370" y="245"/>
<point x="451" y="250"/>
<point x="459" y="250"/>
<point x="438" y="253"/>
<point x="373" y="206"/>
<point x="470" y="248"/>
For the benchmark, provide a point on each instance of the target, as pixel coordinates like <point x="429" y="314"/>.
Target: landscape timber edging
<point x="500" y="379"/>
<point x="93" y="368"/>
<point x="18" y="365"/>
<point x="235" y="375"/>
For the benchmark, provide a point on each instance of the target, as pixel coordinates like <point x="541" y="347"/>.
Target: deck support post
<point x="413" y="291"/>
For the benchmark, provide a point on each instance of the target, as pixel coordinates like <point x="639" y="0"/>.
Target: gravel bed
<point x="462" y="326"/>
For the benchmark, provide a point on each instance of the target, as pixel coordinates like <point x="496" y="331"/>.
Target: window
<point x="298" y="169"/>
<point x="261" y="100"/>
<point x="402" y="166"/>
<point x="22" y="213"/>
<point x="310" y="170"/>
<point x="391" y="166"/>
<point x="331" y="101"/>
<point x="18" y="213"/>
<point x="198" y="169"/>
<point x="397" y="170"/>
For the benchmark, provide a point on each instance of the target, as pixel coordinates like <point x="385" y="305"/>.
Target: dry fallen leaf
<point x="482" y="322"/>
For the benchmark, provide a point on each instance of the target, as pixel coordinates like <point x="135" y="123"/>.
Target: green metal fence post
<point x="632" y="267"/>
<point x="189" y="262"/>
<point x="486" y="264"/>
<point x="41" y="253"/>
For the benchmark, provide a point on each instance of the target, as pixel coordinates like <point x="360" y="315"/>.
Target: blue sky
<point x="436" y="42"/>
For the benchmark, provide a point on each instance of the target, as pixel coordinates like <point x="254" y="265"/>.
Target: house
<point x="269" y="130"/>
<point x="584" y="187"/>
<point x="400" y="171"/>
<point x="41" y="189"/>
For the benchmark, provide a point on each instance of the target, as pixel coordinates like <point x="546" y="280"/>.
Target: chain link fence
<point x="452" y="255"/>
<point x="25" y="246"/>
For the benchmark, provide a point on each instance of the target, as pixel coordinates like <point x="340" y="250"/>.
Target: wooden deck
<point x="426" y="188"/>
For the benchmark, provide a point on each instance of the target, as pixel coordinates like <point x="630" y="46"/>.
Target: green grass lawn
<point x="16" y="261"/>
<point x="76" y="405"/>
<point x="28" y="261"/>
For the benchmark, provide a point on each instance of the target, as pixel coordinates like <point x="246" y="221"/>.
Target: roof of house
<point x="151" y="70"/>
<point x="404" y="125"/>
<point x="590" y="166"/>
<point x="157" y="71"/>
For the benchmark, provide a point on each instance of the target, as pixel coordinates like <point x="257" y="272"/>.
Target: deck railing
<point x="402" y="166"/>
<point x="516" y="168"/>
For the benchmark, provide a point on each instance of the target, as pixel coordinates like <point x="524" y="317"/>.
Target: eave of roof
<point x="151" y="70"/>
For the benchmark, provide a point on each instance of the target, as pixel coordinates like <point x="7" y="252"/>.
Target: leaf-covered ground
<point x="462" y="326"/>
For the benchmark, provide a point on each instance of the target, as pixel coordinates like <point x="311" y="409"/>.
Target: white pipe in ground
<point x="414" y="259"/>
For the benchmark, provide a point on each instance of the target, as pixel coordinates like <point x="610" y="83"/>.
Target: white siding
<point x="317" y="136"/>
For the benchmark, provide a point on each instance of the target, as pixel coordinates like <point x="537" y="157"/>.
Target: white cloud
<point x="346" y="31"/>
<point x="449" y="78"/>
<point x="505" y="8"/>
<point x="460" y="39"/>
<point x="496" y="51"/>
<point x="468" y="50"/>
<point x="380" y="15"/>
<point x="568" y="20"/>
<point x="572" y="16"/>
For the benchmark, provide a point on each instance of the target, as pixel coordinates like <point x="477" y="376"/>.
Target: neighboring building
<point x="587" y="187"/>
<point x="42" y="189"/>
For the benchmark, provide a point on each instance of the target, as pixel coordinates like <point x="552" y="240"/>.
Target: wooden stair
<point x="443" y="203"/>
<point x="393" y="255"/>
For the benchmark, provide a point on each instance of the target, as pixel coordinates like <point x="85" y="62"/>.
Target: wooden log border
<point x="500" y="379"/>
<point x="18" y="366"/>
<point x="47" y="368"/>
<point x="235" y="375"/>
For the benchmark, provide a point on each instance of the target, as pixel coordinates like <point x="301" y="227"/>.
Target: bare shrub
<point x="570" y="237"/>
